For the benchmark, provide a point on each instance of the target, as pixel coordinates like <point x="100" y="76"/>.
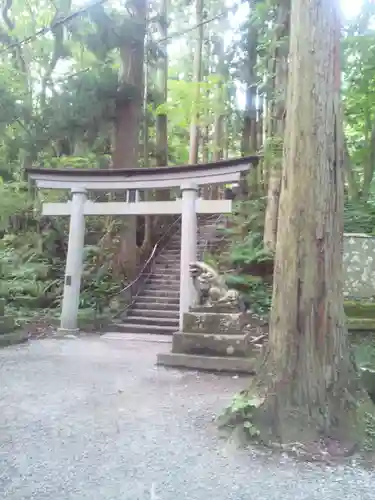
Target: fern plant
<point x="246" y="263"/>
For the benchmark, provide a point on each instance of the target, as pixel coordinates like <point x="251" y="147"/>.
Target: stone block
<point x="212" y="322"/>
<point x="6" y="324"/>
<point x="359" y="309"/>
<point x="13" y="338"/>
<point x="361" y="324"/>
<point x="207" y="363"/>
<point x="368" y="380"/>
<point x="212" y="344"/>
<point x="219" y="308"/>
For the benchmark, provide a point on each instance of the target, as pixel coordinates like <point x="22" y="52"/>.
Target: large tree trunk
<point x="162" y="81"/>
<point x="127" y="130"/>
<point x="308" y="371"/>
<point x="276" y="122"/>
<point x="197" y="77"/>
<point x="249" y="131"/>
<point x="219" y="116"/>
<point x="161" y="121"/>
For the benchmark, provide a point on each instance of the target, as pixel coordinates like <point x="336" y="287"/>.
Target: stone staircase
<point x="156" y="309"/>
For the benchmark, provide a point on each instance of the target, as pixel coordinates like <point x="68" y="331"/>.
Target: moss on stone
<point x="357" y="309"/>
<point x="361" y="324"/>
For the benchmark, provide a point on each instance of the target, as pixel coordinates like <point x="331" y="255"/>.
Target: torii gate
<point x="80" y="181"/>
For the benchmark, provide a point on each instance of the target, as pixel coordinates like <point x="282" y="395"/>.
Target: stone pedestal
<point x="213" y="339"/>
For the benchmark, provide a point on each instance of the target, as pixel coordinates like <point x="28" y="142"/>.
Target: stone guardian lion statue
<point x="211" y="288"/>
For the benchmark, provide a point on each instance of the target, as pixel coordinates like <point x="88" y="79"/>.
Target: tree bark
<point x="249" y="132"/>
<point x="197" y="77"/>
<point x="127" y="130"/>
<point x="162" y="79"/>
<point x="161" y="124"/>
<point x="276" y="122"/>
<point x="310" y="379"/>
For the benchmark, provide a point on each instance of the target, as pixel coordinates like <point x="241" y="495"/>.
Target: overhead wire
<point x="51" y="27"/>
<point x="84" y="10"/>
<point x="161" y="40"/>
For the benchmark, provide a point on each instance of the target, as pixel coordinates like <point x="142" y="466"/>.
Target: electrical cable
<point x="47" y="29"/>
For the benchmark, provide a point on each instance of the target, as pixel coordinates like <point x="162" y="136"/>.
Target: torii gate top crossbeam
<point x="224" y="171"/>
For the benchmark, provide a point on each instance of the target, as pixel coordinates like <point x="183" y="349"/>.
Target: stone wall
<point x="359" y="266"/>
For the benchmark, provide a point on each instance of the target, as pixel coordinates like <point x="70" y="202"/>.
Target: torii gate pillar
<point x="188" y="246"/>
<point x="74" y="263"/>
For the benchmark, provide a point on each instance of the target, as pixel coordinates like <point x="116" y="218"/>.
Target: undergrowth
<point x="33" y="255"/>
<point x="238" y="416"/>
<point x="246" y="265"/>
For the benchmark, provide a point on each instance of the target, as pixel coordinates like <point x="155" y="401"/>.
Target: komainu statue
<point x="211" y="288"/>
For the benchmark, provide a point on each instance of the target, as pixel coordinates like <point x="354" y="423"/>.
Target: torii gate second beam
<point x="79" y="207"/>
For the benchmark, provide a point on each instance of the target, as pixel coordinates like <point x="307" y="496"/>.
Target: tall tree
<point x="129" y="102"/>
<point x="276" y="119"/>
<point x="197" y="77"/>
<point x="162" y="81"/>
<point x="310" y="379"/>
<point x="249" y="132"/>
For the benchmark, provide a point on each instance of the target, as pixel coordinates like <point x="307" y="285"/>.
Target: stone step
<point x="165" y="276"/>
<point x="163" y="261"/>
<point x="163" y="282"/>
<point x="151" y="321"/>
<point x="157" y="297"/>
<point x="136" y="328"/>
<point x="209" y="344"/>
<point x="172" y="250"/>
<point x="168" y="258"/>
<point x="169" y="265"/>
<point x="207" y="363"/>
<point x="161" y="313"/>
<point x="165" y="287"/>
<point x="157" y="305"/>
<point x="174" y="294"/>
<point x="165" y="301"/>
<point x="175" y="251"/>
<point x="165" y="269"/>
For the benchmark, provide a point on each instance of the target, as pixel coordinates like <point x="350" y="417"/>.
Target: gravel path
<point x="93" y="418"/>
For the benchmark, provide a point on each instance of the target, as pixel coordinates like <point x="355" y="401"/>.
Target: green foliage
<point x="239" y="415"/>
<point x="99" y="284"/>
<point x="58" y="97"/>
<point x="359" y="217"/>
<point x="248" y="264"/>
<point x="32" y="260"/>
<point x="30" y="277"/>
<point x="256" y="292"/>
